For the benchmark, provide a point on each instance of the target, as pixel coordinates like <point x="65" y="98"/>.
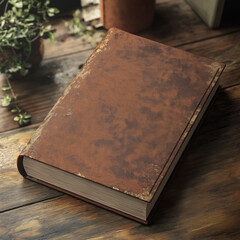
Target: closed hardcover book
<point x="115" y="135"/>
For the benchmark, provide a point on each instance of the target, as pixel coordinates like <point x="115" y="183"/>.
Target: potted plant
<point x="129" y="15"/>
<point x="22" y="27"/>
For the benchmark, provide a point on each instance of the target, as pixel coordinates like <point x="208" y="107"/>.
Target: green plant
<point x="22" y="118"/>
<point x="23" y="22"/>
<point x="77" y="28"/>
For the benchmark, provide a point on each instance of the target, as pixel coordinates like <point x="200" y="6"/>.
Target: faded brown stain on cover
<point x="130" y="107"/>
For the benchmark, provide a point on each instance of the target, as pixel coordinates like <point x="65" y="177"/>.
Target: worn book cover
<point x="126" y="117"/>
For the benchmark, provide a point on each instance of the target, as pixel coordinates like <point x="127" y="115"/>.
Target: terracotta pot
<point x="35" y="58"/>
<point x="36" y="53"/>
<point x="129" y="15"/>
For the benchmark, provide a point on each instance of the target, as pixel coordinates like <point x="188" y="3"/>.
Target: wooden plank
<point x="41" y="89"/>
<point x="200" y="201"/>
<point x="230" y="78"/>
<point x="15" y="191"/>
<point x="176" y="24"/>
<point x="225" y="49"/>
<point x="11" y="144"/>
<point x="66" y="43"/>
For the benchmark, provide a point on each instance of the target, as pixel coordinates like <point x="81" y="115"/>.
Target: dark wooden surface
<point x="201" y="199"/>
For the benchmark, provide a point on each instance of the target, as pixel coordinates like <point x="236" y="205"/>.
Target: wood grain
<point x="66" y="43"/>
<point x="200" y="201"/>
<point x="41" y="89"/>
<point x="12" y="143"/>
<point x="117" y="128"/>
<point x="177" y="24"/>
<point x="225" y="49"/>
<point x="16" y="191"/>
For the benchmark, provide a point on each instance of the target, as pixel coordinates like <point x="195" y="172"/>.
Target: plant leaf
<point x="27" y="116"/>
<point x="24" y="72"/>
<point x="26" y="121"/>
<point x="20" y="121"/>
<point x="19" y="4"/>
<point x="16" y="118"/>
<point x="6" y="101"/>
<point x="6" y="88"/>
<point x="14" y="110"/>
<point x="51" y="36"/>
<point x="48" y="28"/>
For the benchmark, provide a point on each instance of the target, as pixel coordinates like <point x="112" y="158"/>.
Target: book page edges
<point x="89" y="200"/>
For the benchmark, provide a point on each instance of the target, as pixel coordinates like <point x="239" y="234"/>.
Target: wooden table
<point x="201" y="199"/>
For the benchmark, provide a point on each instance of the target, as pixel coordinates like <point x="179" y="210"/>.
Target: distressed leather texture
<point x="124" y="117"/>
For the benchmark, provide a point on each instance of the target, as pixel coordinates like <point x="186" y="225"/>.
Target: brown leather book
<point x="115" y="135"/>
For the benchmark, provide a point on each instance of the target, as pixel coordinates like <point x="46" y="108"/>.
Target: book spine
<point x="20" y="165"/>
